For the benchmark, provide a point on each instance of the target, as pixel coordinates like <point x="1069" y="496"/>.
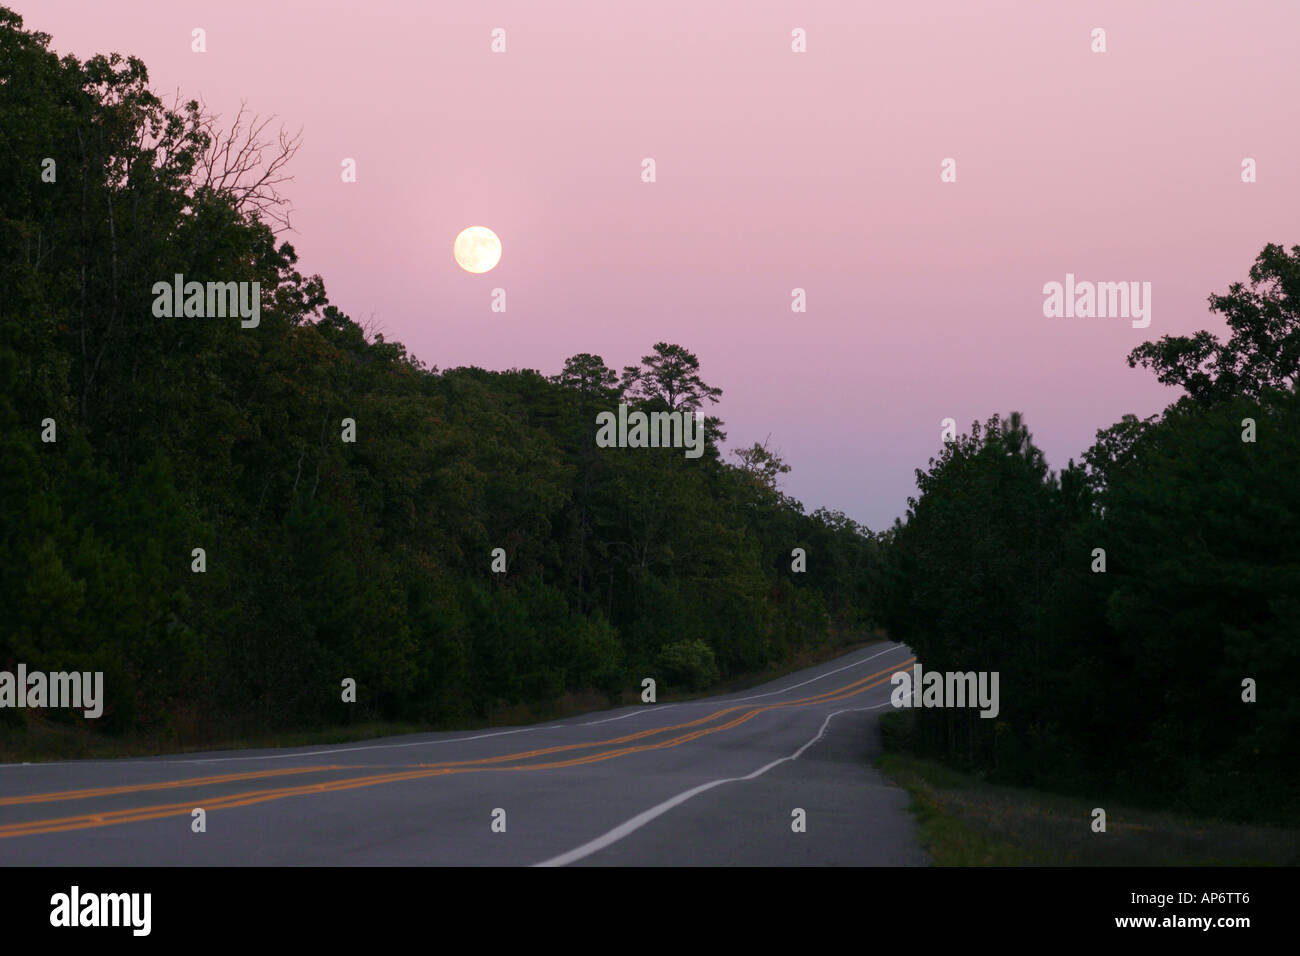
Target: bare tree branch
<point x="242" y="163"/>
<point x="372" y="328"/>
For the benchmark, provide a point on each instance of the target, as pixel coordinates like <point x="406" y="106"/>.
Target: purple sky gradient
<point x="775" y="170"/>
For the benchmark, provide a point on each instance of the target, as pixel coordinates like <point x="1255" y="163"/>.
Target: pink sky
<point x="775" y="170"/>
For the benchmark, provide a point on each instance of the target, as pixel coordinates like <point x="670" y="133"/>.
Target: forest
<point x="1142" y="606"/>
<point x="325" y="558"/>
<point x="345" y="500"/>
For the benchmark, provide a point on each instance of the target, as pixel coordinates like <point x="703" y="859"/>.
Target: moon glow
<point x="477" y="249"/>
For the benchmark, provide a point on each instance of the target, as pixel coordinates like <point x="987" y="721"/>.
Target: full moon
<point x="477" y="249"/>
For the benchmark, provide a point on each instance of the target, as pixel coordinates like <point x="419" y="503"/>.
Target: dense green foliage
<point x="327" y="559"/>
<point x="1130" y="680"/>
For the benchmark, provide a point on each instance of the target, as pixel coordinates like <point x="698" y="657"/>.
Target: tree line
<point x="1125" y="600"/>
<point x="325" y="559"/>
<point x="1142" y="607"/>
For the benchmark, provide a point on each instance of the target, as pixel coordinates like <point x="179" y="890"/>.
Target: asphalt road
<point x="709" y="782"/>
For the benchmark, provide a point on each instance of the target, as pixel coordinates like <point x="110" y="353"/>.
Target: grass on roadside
<point x="966" y="821"/>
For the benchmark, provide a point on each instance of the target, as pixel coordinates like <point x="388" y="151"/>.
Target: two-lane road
<point x="713" y="781"/>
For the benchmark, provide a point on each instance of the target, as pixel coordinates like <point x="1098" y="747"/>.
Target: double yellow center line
<point x="618" y="747"/>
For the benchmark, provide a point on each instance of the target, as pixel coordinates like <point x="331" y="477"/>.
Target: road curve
<point x="715" y="781"/>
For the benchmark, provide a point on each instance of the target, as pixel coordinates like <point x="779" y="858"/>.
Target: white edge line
<point x="738" y="700"/>
<point x="632" y="713"/>
<point x="641" y="819"/>
<point x="449" y="740"/>
<point x="125" y="761"/>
